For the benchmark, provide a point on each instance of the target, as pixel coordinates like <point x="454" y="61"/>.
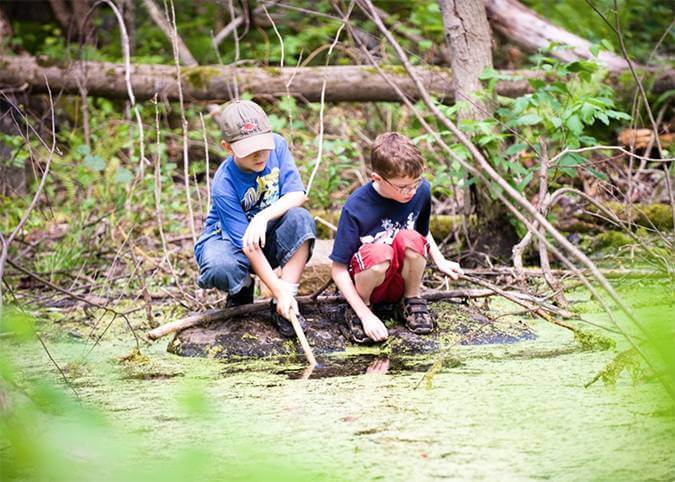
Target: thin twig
<point x="323" y="98"/>
<point x="38" y="193"/>
<point x="184" y="124"/>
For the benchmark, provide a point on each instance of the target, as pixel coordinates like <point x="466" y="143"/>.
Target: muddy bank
<point x="456" y="324"/>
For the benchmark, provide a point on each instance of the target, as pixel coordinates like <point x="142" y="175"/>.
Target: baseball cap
<point x="245" y="127"/>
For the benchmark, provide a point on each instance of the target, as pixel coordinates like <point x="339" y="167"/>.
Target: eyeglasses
<point x="407" y="189"/>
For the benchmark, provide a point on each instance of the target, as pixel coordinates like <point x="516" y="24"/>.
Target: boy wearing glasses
<point x="383" y="240"/>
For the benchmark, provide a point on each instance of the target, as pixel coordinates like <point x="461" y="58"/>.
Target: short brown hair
<point x="394" y="155"/>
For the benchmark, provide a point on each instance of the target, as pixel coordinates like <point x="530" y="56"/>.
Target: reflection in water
<point x="379" y="366"/>
<point x="355" y="365"/>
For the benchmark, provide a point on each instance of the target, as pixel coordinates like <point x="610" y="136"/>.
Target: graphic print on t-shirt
<point x="389" y="230"/>
<point x="263" y="195"/>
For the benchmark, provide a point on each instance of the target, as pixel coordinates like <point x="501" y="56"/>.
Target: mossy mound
<point x="255" y="336"/>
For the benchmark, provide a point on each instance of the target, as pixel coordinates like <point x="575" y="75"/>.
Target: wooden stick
<point x="303" y="340"/>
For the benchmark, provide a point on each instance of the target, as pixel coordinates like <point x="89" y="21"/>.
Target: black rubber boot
<point x="244" y="297"/>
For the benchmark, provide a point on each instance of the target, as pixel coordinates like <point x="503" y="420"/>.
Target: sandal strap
<point x="416" y="305"/>
<point x="417" y="300"/>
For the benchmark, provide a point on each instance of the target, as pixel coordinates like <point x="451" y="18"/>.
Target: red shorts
<point x="370" y="254"/>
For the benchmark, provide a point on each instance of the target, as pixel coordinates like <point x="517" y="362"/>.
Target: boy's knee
<point x="301" y="219"/>
<point x="413" y="255"/>
<point x="220" y="273"/>
<point x="380" y="268"/>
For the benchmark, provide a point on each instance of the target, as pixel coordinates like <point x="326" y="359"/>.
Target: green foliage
<point x="611" y="240"/>
<point x="564" y="111"/>
<point x="18" y="154"/>
<point x="45" y="435"/>
<point x="643" y="22"/>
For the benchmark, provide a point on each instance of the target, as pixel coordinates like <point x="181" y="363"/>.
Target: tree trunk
<point x="467" y="33"/>
<point x="526" y="28"/>
<point x="161" y="21"/>
<point x="468" y="36"/>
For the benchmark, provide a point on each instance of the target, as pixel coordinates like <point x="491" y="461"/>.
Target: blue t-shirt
<point x="237" y="196"/>
<point x="368" y="217"/>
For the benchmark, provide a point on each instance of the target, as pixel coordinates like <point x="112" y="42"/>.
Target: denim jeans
<point x="223" y="265"/>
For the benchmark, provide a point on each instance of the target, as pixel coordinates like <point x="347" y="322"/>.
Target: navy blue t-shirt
<point x="368" y="217"/>
<point x="237" y="196"/>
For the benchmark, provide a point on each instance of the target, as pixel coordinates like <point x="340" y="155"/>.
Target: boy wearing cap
<point x="382" y="242"/>
<point x="255" y="223"/>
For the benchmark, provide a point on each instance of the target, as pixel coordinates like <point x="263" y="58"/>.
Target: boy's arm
<point x="285" y="302"/>
<point x="257" y="227"/>
<point x="372" y="325"/>
<point x="450" y="268"/>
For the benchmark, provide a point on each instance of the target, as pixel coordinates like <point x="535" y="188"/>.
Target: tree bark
<point x="467" y="33"/>
<point x="211" y="83"/>
<point x="353" y="83"/>
<point x="529" y="30"/>
<point x="160" y="20"/>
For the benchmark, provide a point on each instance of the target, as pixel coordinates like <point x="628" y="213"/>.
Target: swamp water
<point x="493" y="412"/>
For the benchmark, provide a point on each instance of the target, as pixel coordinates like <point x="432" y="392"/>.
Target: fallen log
<point x="215" y="82"/>
<point x="262" y="305"/>
<point x="526" y="28"/>
<point x="350" y="83"/>
<point x="641" y="138"/>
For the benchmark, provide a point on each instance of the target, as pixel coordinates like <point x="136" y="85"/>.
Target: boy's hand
<point x="450" y="268"/>
<point x="374" y="328"/>
<point x="255" y="232"/>
<point x="286" y="305"/>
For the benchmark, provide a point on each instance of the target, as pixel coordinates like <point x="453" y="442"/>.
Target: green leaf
<point x="81" y="151"/>
<point x="520" y="104"/>
<point x="515" y="148"/>
<point x="587" y="111"/>
<point x="603" y="117"/>
<point x="607" y="44"/>
<point x="615" y="114"/>
<point x="597" y="174"/>
<point x="517" y="168"/>
<point x="94" y="162"/>
<point x="525" y="181"/>
<point x="528" y="120"/>
<point x="571" y="159"/>
<point x="123" y="176"/>
<point x="574" y="125"/>
<point x="537" y="83"/>
<point x="488" y="73"/>
<point x="595" y="49"/>
<point x="277" y="123"/>
<point x="425" y="44"/>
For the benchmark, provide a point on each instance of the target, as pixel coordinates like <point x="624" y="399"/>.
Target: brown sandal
<point x="415" y="314"/>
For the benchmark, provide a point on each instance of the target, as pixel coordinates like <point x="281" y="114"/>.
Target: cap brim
<point x="252" y="144"/>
